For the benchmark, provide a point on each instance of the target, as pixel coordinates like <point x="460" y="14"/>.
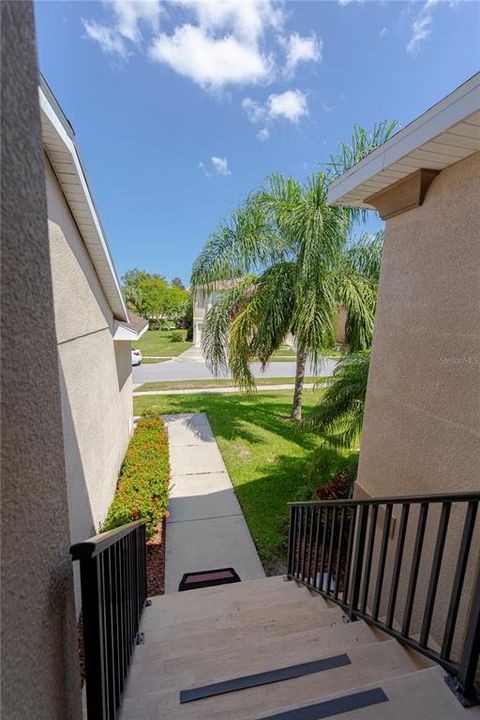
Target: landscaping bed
<point x="142" y="494"/>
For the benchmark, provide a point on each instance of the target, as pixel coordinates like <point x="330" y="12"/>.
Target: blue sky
<point x="181" y="108"/>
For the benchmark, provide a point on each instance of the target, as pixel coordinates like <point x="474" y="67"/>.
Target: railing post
<point x="93" y="634"/>
<point x="358" y="558"/>
<point x="464" y="684"/>
<point x="292" y="512"/>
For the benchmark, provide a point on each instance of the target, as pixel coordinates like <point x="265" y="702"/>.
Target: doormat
<point x="208" y="578"/>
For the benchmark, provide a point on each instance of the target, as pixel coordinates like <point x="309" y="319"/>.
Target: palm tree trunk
<point x="299" y="378"/>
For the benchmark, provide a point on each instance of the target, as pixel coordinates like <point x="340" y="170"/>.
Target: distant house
<point x="203" y="301"/>
<point x="93" y="328"/>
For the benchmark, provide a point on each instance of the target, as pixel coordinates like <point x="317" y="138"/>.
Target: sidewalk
<point x="206" y="529"/>
<point x="221" y="389"/>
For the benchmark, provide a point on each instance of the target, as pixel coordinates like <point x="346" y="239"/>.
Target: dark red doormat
<point x="208" y="578"/>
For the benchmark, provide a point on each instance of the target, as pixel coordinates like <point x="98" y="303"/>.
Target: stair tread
<point x="421" y="695"/>
<point x="205" y="667"/>
<point x="233" y="613"/>
<point x="295" y="645"/>
<point x="262" y="589"/>
<point x="371" y="664"/>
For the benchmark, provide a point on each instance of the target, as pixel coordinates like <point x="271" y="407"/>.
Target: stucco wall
<point x="422" y="419"/>
<point x="40" y="669"/>
<point x="95" y="374"/>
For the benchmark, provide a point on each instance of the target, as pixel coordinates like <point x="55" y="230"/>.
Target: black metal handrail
<point x="349" y="550"/>
<point x="114" y="590"/>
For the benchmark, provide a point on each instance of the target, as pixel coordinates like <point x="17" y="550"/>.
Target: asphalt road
<point x="184" y="368"/>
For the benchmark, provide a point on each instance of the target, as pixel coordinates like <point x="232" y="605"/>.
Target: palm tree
<point x="339" y="415"/>
<point x="289" y="254"/>
<point x="298" y="246"/>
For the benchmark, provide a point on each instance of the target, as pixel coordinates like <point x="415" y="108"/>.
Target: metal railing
<point x="401" y="564"/>
<point x="114" y="590"/>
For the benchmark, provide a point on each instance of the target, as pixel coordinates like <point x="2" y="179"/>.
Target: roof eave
<point x="453" y="109"/>
<point x="58" y="138"/>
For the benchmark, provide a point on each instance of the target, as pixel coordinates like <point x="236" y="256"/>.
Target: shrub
<point x="178" y="335"/>
<point x="142" y="490"/>
<point x="339" y="487"/>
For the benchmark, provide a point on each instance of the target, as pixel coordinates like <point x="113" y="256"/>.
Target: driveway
<point x="191" y="366"/>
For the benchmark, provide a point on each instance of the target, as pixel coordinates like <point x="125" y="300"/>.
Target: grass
<point x="159" y="343"/>
<point x="151" y="361"/>
<point x="218" y="382"/>
<point x="266" y="455"/>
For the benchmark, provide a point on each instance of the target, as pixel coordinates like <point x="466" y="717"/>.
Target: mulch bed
<point x="156" y="563"/>
<point x="155" y="583"/>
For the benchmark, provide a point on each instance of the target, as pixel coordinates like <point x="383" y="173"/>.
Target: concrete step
<point x="422" y="695"/>
<point x="263" y="588"/>
<point x="370" y="664"/>
<point x="214" y="606"/>
<point x="313" y="641"/>
<point x="206" y="666"/>
<point x="267" y="619"/>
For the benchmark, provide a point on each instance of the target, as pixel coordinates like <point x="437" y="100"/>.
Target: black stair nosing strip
<point x="337" y="706"/>
<point x="264" y="678"/>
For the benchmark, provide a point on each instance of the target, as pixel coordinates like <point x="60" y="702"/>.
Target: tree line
<point x="154" y="298"/>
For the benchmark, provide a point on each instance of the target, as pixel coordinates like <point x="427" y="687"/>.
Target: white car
<point x="137" y="357"/>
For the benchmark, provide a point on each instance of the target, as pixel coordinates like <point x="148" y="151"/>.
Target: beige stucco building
<point x="93" y="331"/>
<point x="422" y="420"/>
<point x="66" y="396"/>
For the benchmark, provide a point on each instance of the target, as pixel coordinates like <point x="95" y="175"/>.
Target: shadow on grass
<point x="230" y="415"/>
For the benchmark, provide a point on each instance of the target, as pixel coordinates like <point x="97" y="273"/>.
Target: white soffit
<point x="59" y="144"/>
<point x="448" y="132"/>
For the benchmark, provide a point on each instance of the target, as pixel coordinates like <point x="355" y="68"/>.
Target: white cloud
<point x="246" y="20"/>
<point x="225" y="43"/>
<point x="302" y="49"/>
<point x="218" y="165"/>
<point x="382" y="33"/>
<point x="421" y="27"/>
<point x="127" y="16"/>
<point x="109" y="40"/>
<point x="291" y="105"/>
<point x="255" y="110"/>
<point x="208" y="61"/>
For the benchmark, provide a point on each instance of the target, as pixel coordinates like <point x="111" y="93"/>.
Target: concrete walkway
<point x="206" y="529"/>
<point x="221" y="389"/>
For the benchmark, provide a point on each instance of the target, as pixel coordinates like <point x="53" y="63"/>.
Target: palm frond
<point x="339" y="415"/>
<point x="216" y="328"/>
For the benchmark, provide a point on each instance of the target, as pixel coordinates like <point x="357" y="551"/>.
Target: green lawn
<point x="266" y="456"/>
<point x="159" y="343"/>
<point x="218" y="382"/>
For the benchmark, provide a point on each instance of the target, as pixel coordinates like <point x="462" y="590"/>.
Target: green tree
<point x="132" y="288"/>
<point x="177" y="283"/>
<point x="154" y="297"/>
